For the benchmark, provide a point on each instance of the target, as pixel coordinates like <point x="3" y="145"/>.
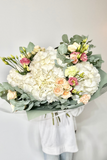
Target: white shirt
<point x="56" y="139"/>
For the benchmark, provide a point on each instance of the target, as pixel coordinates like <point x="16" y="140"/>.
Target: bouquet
<point x="50" y="80"/>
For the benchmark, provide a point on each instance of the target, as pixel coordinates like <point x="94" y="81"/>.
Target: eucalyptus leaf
<point x="61" y="42"/>
<point x="91" y="46"/>
<point x="63" y="100"/>
<point x="58" y="107"/>
<point x="57" y="65"/>
<point x="53" y="105"/>
<point x="2" y="89"/>
<point x="7" y="86"/>
<point x="24" y="96"/>
<point x="89" y="41"/>
<point x="19" y="105"/>
<point x="62" y="49"/>
<point x="91" y="59"/>
<point x="18" y="90"/>
<point x="1" y="94"/>
<point x="63" y="58"/>
<point x="4" y="96"/>
<point x="37" y="103"/>
<point x="30" y="47"/>
<point x="84" y="37"/>
<point x="97" y="59"/>
<point x="71" y="40"/>
<point x="30" y="106"/>
<point x="77" y="38"/>
<point x="98" y="63"/>
<point x="65" y="38"/>
<point x="43" y="102"/>
<point x="89" y="53"/>
<point x="63" y="107"/>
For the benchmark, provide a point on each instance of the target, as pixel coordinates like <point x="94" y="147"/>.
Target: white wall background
<point x="43" y="23"/>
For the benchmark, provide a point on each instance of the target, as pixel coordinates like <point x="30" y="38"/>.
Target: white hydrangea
<point x="91" y="78"/>
<point x="40" y="81"/>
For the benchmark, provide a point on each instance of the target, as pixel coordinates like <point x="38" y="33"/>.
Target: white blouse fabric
<point x="56" y="139"/>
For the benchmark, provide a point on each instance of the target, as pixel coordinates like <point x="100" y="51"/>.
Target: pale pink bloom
<point x="24" y="61"/>
<point x="73" y="81"/>
<point x="74" y="57"/>
<point x="85" y="98"/>
<point x="83" y="57"/>
<point x="66" y="94"/>
<point x="60" y="81"/>
<point x="58" y="90"/>
<point x="67" y="86"/>
<point x="11" y="95"/>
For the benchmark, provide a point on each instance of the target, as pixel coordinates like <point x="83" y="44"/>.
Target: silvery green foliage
<point x="96" y="60"/>
<point x="27" y="102"/>
<point x="29" y="48"/>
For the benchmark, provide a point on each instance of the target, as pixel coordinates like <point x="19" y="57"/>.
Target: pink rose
<point x="74" y="57"/>
<point x="83" y="57"/>
<point x="73" y="81"/>
<point x="24" y="61"/>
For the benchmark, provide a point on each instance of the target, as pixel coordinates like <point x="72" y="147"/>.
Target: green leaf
<point x="71" y="40"/>
<point x="97" y="59"/>
<point x="89" y="53"/>
<point x="65" y="38"/>
<point x="84" y="37"/>
<point x="63" y="107"/>
<point x="58" y="107"/>
<point x="91" y="59"/>
<point x="18" y="89"/>
<point x="53" y="105"/>
<point x="2" y="89"/>
<point x="30" y="106"/>
<point x="63" y="100"/>
<point x="89" y="41"/>
<point x="91" y="46"/>
<point x="63" y="58"/>
<point x="19" y="105"/>
<point x="24" y="96"/>
<point x="7" y="86"/>
<point x="4" y="96"/>
<point x="62" y="49"/>
<point x="98" y="63"/>
<point x="57" y="65"/>
<point x="30" y="47"/>
<point x="77" y="38"/>
<point x="43" y="102"/>
<point x="37" y="103"/>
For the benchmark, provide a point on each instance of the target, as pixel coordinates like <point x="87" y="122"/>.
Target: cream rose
<point x="11" y="95"/>
<point x="58" y="90"/>
<point x="73" y="47"/>
<point x="66" y="94"/>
